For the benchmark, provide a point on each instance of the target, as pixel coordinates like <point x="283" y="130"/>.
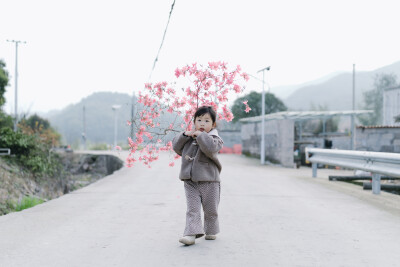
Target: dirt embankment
<point x="79" y="170"/>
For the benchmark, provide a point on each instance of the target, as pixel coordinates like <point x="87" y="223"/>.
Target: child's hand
<point x="189" y="133"/>
<point x="196" y="133"/>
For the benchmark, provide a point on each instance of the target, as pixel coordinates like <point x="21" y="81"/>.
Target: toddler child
<point x="200" y="172"/>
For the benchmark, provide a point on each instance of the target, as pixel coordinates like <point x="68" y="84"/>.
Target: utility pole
<point x="16" y="80"/>
<point x="262" y="118"/>
<point x="133" y="112"/>
<point x="84" y="128"/>
<point x="115" y="108"/>
<point x="353" y="126"/>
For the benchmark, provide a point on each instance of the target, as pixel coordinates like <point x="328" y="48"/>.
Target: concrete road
<point x="269" y="216"/>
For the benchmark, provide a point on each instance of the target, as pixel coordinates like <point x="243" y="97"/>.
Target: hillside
<point x="99" y="119"/>
<point x="336" y="93"/>
<point x="285" y="91"/>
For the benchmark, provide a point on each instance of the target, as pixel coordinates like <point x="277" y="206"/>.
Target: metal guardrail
<point x="378" y="163"/>
<point x="5" y="151"/>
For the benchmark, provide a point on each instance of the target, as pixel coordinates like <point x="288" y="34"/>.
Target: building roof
<point x="378" y="126"/>
<point x="392" y="88"/>
<point x="305" y="115"/>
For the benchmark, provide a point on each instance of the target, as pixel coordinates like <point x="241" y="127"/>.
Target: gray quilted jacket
<point x="199" y="159"/>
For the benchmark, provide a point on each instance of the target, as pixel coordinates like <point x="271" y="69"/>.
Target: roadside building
<point x="285" y="136"/>
<point x="391" y="105"/>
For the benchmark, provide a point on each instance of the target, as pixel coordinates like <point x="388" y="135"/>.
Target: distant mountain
<point x="286" y="90"/>
<point x="99" y="119"/>
<point x="336" y="93"/>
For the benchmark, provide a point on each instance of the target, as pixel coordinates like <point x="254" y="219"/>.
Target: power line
<point x="269" y="87"/>
<point x="162" y="41"/>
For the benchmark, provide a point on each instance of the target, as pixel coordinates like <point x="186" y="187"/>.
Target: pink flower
<point x="129" y="161"/>
<point x="171" y="164"/>
<point x="178" y="73"/>
<point x="236" y="88"/>
<point x="207" y="84"/>
<point x="117" y="147"/>
<point x="247" y="110"/>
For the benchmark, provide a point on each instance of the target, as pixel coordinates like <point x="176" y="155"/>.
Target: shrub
<point x="99" y="147"/>
<point x="30" y="152"/>
<point x="6" y="120"/>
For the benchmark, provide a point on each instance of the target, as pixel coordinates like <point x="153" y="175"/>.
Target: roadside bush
<point x="100" y="146"/>
<point x="6" y="120"/>
<point x="18" y="142"/>
<point x="29" y="152"/>
<point x="35" y="125"/>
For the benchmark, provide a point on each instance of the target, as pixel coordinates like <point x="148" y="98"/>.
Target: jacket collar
<point x="214" y="132"/>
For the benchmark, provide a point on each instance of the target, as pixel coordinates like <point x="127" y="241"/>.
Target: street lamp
<point x="353" y="125"/>
<point x="84" y="128"/>
<point x="16" y="80"/>
<point x="262" y="118"/>
<point x="115" y="108"/>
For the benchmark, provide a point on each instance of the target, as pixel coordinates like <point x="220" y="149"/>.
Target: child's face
<point x="203" y="123"/>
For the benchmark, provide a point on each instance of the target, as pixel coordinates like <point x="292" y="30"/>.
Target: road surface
<point x="269" y="216"/>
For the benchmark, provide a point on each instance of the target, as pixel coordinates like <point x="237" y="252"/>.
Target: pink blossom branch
<point x="161" y="98"/>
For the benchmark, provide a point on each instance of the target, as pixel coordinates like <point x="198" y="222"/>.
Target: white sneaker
<point x="188" y="239"/>
<point x="211" y="237"/>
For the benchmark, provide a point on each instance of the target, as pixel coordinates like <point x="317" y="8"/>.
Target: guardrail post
<point x="314" y="170"/>
<point x="376" y="183"/>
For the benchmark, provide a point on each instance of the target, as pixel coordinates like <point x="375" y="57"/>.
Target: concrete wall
<point x="229" y="132"/>
<point x="230" y="137"/>
<point x="378" y="139"/>
<point x="279" y="140"/>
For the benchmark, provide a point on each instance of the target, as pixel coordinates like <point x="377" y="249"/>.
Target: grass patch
<point x="28" y="202"/>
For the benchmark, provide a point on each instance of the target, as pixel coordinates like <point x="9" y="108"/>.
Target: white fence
<point x="378" y="163"/>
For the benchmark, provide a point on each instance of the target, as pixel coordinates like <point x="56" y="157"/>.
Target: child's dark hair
<point x="204" y="110"/>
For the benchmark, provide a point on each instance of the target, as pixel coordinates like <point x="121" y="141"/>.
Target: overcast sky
<point x="78" y="47"/>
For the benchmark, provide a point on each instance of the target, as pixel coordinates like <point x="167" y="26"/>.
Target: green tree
<point x="272" y="105"/>
<point x="3" y="81"/>
<point x="35" y="122"/>
<point x="36" y="125"/>
<point x="316" y="126"/>
<point x="331" y="124"/>
<point x="397" y="118"/>
<point x="373" y="99"/>
<point x="6" y="121"/>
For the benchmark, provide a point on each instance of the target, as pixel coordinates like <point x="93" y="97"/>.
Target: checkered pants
<point x="208" y="194"/>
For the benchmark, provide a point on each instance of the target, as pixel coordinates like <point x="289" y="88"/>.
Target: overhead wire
<point x="162" y="41"/>
<point x="269" y="88"/>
